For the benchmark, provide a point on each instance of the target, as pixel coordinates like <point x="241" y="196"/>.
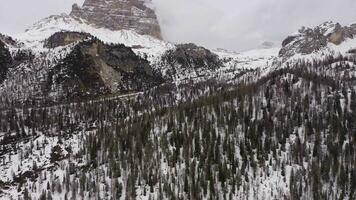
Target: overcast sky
<point x="230" y="24"/>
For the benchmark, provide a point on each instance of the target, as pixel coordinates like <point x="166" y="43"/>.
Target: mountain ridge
<point x="118" y="15"/>
<point x="93" y="113"/>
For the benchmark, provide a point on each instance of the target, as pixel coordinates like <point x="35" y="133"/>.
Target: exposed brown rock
<point x="94" y="68"/>
<point x="310" y="40"/>
<point x="340" y="34"/>
<point x="119" y="14"/>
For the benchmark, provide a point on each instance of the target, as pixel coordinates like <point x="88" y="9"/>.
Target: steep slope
<point x="324" y="40"/>
<point x="65" y="38"/>
<point x="94" y="68"/>
<point x="189" y="61"/>
<point x="49" y="41"/>
<point x="119" y="14"/>
<point x="260" y="139"/>
<point x="9" y="40"/>
<point x="35" y="36"/>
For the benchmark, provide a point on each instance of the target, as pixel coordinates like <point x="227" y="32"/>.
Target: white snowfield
<point x="152" y="48"/>
<point x="143" y="45"/>
<point x="252" y="59"/>
<point x="35" y="35"/>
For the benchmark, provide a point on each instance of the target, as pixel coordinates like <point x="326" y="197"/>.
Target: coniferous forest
<point x="98" y="104"/>
<point x="289" y="134"/>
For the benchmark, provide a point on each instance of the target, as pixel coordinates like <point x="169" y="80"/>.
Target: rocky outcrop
<point x="9" y="40"/>
<point x="340" y="34"/>
<point x="189" y="60"/>
<point x="119" y="14"/>
<point x="5" y="61"/>
<point x="65" y="38"/>
<point x="310" y="40"/>
<point x="94" y="68"/>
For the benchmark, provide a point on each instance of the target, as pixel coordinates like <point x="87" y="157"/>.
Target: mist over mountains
<point x="234" y="25"/>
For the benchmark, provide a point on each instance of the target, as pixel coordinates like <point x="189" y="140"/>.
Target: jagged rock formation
<point x="310" y="40"/>
<point x="119" y="14"/>
<point x="5" y="61"/>
<point x="64" y="38"/>
<point x="190" y="60"/>
<point x="8" y="40"/>
<point x="340" y="34"/>
<point x="94" y="68"/>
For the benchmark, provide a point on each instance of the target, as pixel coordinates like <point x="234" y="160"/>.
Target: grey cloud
<point x="241" y="24"/>
<point x="230" y="24"/>
<point x="17" y="15"/>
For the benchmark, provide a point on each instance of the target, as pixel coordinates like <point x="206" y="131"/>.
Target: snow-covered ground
<point x="330" y="50"/>
<point x="35" y="35"/>
<point x="144" y="45"/>
<point x="252" y="59"/>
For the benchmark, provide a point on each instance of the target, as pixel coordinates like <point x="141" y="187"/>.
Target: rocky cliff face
<point x="119" y="14"/>
<point x="309" y="40"/>
<point x="94" y="68"/>
<point x="9" y="40"/>
<point x="188" y="60"/>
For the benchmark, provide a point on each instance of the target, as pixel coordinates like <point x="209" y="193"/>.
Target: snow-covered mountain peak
<point x="35" y="35"/>
<point x="326" y="39"/>
<point x="133" y="15"/>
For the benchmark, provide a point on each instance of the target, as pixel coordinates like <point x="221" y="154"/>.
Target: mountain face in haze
<point x="310" y="40"/>
<point x="119" y="14"/>
<point x="90" y="111"/>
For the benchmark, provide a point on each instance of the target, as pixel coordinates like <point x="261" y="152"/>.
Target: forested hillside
<point x="286" y="135"/>
<point x="98" y="106"/>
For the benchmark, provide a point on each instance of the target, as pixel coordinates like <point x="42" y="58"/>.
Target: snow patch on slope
<point x="253" y="59"/>
<point x="34" y="36"/>
<point x="330" y="50"/>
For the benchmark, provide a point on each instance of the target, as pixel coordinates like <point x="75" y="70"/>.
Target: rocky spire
<point x="120" y="14"/>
